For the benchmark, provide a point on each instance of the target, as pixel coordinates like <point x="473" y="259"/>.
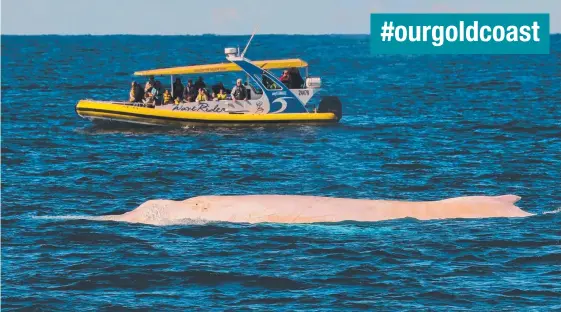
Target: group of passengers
<point x="153" y="92"/>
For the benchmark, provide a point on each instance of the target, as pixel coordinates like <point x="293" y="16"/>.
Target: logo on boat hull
<point x="202" y="107"/>
<point x="282" y="102"/>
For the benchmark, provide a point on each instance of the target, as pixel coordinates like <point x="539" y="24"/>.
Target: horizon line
<point x="203" y="34"/>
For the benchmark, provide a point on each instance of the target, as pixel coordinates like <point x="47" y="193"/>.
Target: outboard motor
<point x="331" y="104"/>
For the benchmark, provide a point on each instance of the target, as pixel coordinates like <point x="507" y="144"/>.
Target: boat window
<point x="269" y="83"/>
<point x="255" y="88"/>
<point x="255" y="92"/>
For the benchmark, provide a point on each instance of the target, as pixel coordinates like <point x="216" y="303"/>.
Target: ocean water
<point x="414" y="128"/>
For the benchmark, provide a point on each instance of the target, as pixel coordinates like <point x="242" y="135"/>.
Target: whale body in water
<point x="310" y="209"/>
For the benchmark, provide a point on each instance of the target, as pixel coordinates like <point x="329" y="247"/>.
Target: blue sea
<point x="414" y="128"/>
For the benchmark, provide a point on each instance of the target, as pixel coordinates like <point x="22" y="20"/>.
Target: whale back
<point x="309" y="209"/>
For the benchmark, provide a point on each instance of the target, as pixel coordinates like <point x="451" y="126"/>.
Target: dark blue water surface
<point x="414" y="128"/>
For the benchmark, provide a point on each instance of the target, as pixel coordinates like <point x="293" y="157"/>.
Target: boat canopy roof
<point x="220" y="67"/>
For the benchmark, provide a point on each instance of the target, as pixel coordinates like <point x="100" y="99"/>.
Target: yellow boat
<point x="266" y="100"/>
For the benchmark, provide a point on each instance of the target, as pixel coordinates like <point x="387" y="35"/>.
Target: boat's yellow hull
<point x="149" y="116"/>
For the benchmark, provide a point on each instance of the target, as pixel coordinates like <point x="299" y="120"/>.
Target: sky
<point x="235" y="17"/>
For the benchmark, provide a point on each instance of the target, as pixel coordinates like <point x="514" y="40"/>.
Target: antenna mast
<point x="249" y="42"/>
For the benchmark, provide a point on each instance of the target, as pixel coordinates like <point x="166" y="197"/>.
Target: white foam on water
<point x="93" y="218"/>
<point x="158" y="222"/>
<point x="558" y="210"/>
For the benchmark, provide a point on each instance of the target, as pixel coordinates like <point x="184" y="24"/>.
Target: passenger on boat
<point x="221" y="95"/>
<point x="248" y="90"/>
<point x="202" y="95"/>
<point x="148" y="95"/>
<point x="140" y="91"/>
<point x="238" y="91"/>
<point x="178" y="89"/>
<point x="154" y="95"/>
<point x="205" y="91"/>
<point x="136" y="92"/>
<point x="190" y="92"/>
<point x="151" y="96"/>
<point x="167" y="97"/>
<point x="200" y="83"/>
<point x="268" y="82"/>
<point x="285" y="78"/>
<point x="132" y="92"/>
<point x="157" y="92"/>
<point x="296" y="81"/>
<point x="216" y="88"/>
<point x="149" y="84"/>
<point x="153" y="91"/>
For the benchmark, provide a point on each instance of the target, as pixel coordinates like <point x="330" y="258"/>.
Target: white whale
<point x="310" y="209"/>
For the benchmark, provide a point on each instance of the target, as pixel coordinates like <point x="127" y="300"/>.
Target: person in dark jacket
<point x="136" y="93"/>
<point x="239" y="92"/>
<point x="157" y="92"/>
<point x="178" y="89"/>
<point x="190" y="92"/>
<point x="200" y="83"/>
<point x="296" y="81"/>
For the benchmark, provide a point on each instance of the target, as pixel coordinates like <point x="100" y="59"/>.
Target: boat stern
<point x="331" y="104"/>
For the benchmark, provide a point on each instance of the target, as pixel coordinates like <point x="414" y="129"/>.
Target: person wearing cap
<point x="239" y="92"/>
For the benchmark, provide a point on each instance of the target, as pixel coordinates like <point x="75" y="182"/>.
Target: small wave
<point x="251" y="179"/>
<point x="209" y="230"/>
<point x="556" y="211"/>
<point x="552" y="258"/>
<point x="530" y="292"/>
<point x="406" y="166"/>
<point x="363" y="269"/>
<point x="163" y="222"/>
<point x="58" y="218"/>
